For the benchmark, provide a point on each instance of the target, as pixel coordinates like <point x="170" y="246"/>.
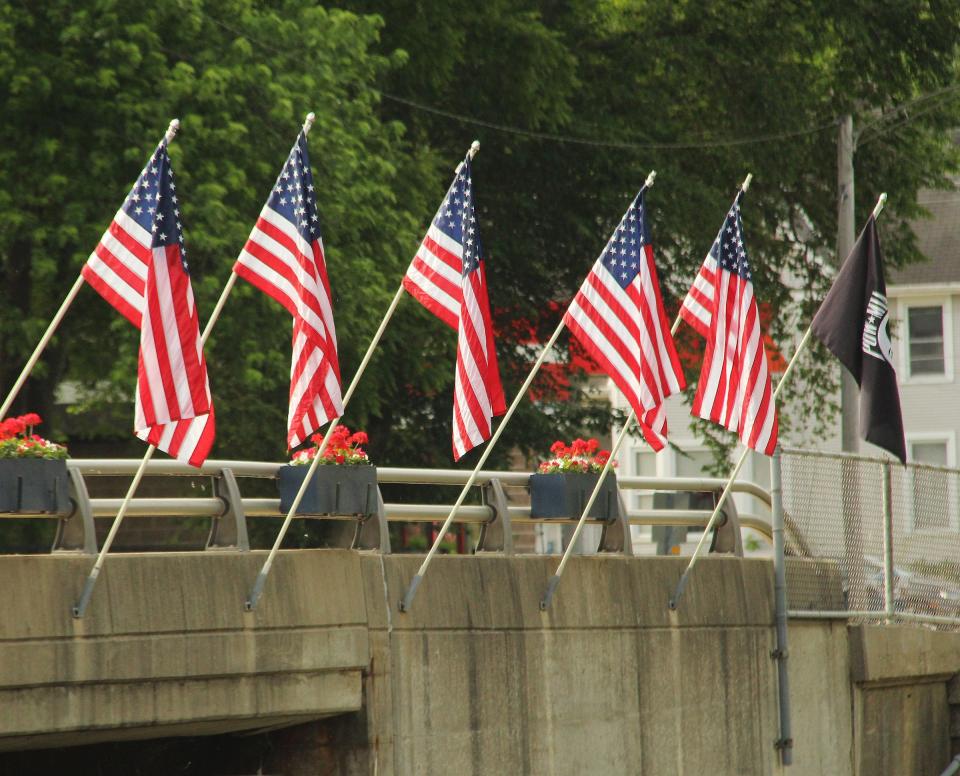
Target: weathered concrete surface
<point x="476" y="679"/>
<point x="821" y="698"/>
<point x="903" y="729"/>
<point x="607" y="681"/>
<point x="902" y="713"/>
<point x="166" y="647"/>
<point x="890" y="653"/>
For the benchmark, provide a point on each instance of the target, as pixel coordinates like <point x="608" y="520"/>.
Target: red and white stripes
<point x="284" y="258"/>
<point x="433" y="277"/>
<point x="625" y="330"/>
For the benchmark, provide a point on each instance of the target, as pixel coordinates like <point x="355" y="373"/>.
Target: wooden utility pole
<point x="846" y="236"/>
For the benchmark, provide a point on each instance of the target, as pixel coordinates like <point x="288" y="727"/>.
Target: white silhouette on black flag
<point x="853" y="322"/>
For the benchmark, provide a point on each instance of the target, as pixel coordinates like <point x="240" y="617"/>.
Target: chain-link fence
<point x="871" y="537"/>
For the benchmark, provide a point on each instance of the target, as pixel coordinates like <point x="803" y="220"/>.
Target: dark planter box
<point x="34" y="486"/>
<point x="333" y="490"/>
<point x="565" y="494"/>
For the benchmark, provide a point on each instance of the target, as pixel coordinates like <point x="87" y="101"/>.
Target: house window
<point x="925" y="340"/>
<point x="931" y="496"/>
<point x="645" y="465"/>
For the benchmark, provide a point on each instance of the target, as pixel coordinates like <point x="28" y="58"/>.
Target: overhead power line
<point x="938" y="96"/>
<point x="549" y="136"/>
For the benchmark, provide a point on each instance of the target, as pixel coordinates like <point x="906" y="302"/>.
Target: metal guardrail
<point x="229" y="510"/>
<point x="891" y="533"/>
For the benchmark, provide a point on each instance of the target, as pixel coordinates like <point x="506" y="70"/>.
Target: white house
<point x="925" y="300"/>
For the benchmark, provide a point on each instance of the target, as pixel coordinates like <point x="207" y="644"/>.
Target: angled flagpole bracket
<point x="496" y="535"/>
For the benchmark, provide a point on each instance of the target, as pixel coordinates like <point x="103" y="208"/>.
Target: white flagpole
<point x="408" y="597"/>
<point x="555" y="579"/>
<point x="261" y="580"/>
<point x="91" y="581"/>
<point x="675" y="601"/>
<point x="58" y="317"/>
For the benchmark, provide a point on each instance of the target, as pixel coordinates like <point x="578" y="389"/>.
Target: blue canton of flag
<point x="622" y="255"/>
<point x="294" y="196"/>
<point x="152" y="203"/>
<point x="457" y="220"/>
<point x="728" y="249"/>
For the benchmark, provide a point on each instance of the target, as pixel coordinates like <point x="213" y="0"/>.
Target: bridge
<point x="475" y="678"/>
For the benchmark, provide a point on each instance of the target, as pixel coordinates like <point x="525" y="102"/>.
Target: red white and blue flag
<point x="618" y="317"/>
<point x="734" y="387"/>
<point x="140" y="268"/>
<point x="448" y="277"/>
<point x="284" y="258"/>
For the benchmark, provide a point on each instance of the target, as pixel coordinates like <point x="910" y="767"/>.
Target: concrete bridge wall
<point x="476" y="679"/>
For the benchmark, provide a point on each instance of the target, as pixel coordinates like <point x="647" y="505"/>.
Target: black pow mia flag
<point x="853" y="323"/>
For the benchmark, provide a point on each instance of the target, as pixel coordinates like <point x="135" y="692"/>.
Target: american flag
<point x="734" y="386"/>
<point x="140" y="268"/>
<point x="448" y="277"/>
<point x="618" y="317"/>
<point x="284" y="258"/>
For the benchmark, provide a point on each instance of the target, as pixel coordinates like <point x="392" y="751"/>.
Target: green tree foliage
<point x="87" y="91"/>
<point x="701" y="91"/>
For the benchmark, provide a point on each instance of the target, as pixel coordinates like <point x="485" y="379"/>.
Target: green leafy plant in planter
<point x="33" y="471"/>
<point x="563" y="484"/>
<point x="345" y="482"/>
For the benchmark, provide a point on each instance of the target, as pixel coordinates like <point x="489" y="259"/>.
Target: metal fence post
<point x="785" y="742"/>
<point x="887" y="493"/>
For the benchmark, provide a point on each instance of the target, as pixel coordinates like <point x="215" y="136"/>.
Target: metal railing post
<point x="887" y="495"/>
<point x="785" y="742"/>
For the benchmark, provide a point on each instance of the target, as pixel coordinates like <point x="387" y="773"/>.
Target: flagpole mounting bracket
<point x="76" y="532"/>
<point x="229" y="530"/>
<point x="615" y="534"/>
<point x="496" y="535"/>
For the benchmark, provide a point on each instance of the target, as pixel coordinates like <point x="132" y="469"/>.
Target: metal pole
<point x="418" y="577"/>
<point x="887" y="493"/>
<point x="81" y="607"/>
<point x="44" y="340"/>
<point x="172" y="128"/>
<point x="261" y="579"/>
<point x="953" y="767"/>
<point x="555" y="579"/>
<point x="407" y="600"/>
<point x="675" y="601"/>
<point x="846" y="236"/>
<point x="785" y="742"/>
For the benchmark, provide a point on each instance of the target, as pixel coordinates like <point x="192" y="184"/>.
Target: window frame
<point x="925" y="437"/>
<point x="904" y="304"/>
